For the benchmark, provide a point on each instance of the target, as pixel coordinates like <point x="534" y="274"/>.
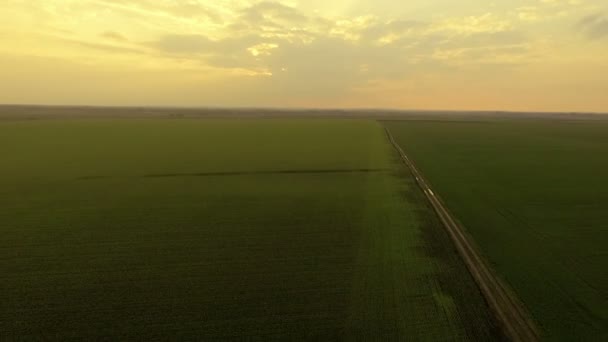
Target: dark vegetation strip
<point x="246" y="173"/>
<point x="510" y="313"/>
<point x="268" y="172"/>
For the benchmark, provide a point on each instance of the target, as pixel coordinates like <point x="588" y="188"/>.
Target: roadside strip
<point x="508" y="310"/>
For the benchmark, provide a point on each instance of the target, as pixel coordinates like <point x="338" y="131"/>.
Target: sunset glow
<point x="527" y="55"/>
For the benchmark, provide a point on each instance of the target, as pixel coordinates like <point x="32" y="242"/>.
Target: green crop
<point x="534" y="195"/>
<point x="218" y="229"/>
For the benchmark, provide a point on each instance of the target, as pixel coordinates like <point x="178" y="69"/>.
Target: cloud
<point x="488" y="22"/>
<point x="185" y="44"/>
<point x="267" y="11"/>
<point x="312" y="54"/>
<point x="109" y="48"/>
<point x="275" y="20"/>
<point x="265" y="51"/>
<point x="177" y="9"/>
<point x="233" y="52"/>
<point x="391" y="30"/>
<point x="594" y="26"/>
<point x="115" y="36"/>
<point x="489" y="39"/>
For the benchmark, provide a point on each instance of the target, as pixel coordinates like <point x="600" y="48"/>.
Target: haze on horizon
<point x="522" y="55"/>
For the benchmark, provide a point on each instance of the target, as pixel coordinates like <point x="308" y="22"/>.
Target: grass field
<point x="215" y="229"/>
<point x="534" y="196"/>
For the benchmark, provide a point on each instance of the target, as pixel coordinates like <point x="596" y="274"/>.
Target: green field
<point x="534" y="196"/>
<point x="218" y="229"/>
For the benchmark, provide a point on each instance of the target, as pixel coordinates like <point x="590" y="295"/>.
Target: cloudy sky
<point x="528" y="55"/>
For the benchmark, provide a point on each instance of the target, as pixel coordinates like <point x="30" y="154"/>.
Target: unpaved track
<point x="510" y="313"/>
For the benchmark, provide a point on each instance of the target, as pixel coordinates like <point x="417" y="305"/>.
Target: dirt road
<point x="510" y="313"/>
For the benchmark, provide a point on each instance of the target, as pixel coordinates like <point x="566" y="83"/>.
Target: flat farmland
<point x="222" y="229"/>
<point x="533" y="195"/>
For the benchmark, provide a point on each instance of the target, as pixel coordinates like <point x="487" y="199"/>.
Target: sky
<point x="517" y="55"/>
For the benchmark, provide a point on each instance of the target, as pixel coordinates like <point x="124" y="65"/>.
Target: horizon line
<point x="299" y="109"/>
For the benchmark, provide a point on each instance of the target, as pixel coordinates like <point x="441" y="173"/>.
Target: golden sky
<point x="528" y="55"/>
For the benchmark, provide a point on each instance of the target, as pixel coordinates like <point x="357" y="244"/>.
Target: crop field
<point x="218" y="229"/>
<point x="534" y="196"/>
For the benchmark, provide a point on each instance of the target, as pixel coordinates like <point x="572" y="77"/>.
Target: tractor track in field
<point x="509" y="312"/>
